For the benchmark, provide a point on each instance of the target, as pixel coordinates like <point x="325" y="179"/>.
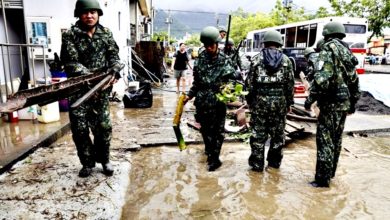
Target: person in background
<point x="86" y="47"/>
<point x="212" y="70"/>
<point x="179" y="65"/>
<point x="270" y="85"/>
<point x="336" y="89"/>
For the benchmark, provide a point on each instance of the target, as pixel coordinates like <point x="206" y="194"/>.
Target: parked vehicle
<point x="300" y="35"/>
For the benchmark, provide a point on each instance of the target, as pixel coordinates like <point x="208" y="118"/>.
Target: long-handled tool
<point x="176" y="122"/>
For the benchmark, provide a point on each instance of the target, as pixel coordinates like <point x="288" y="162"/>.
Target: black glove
<point x="307" y="105"/>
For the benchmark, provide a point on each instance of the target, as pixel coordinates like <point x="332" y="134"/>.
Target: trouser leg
<point x="80" y="134"/>
<point x="257" y="142"/>
<point x="275" y="152"/>
<point x="101" y="128"/>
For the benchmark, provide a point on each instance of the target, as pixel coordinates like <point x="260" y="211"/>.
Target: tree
<point x="194" y="40"/>
<point x="377" y="12"/>
<point x="162" y="36"/>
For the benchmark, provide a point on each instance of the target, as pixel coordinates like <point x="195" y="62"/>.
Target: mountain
<point x="187" y="22"/>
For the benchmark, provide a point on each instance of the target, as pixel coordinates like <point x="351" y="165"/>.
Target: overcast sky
<point x="224" y="6"/>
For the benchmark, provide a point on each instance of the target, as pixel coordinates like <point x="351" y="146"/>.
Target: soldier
<point x="88" y="46"/>
<point x="212" y="70"/>
<point x="336" y="89"/>
<point x="271" y="90"/>
<point x="311" y="57"/>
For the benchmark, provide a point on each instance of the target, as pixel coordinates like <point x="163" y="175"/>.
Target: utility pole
<point x="169" y="22"/>
<point x="217" y="18"/>
<point x="287" y="5"/>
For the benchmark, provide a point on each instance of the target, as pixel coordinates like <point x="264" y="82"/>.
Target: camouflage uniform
<point x="310" y="68"/>
<point x="82" y="54"/>
<point x="209" y="75"/>
<point x="336" y="89"/>
<point x="271" y="91"/>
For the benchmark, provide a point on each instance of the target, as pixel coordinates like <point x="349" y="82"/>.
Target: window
<point x="312" y="34"/>
<point x="290" y="36"/>
<point x="355" y="29"/>
<point x="302" y="36"/>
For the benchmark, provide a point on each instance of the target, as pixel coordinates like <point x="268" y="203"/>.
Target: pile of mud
<point x="367" y="104"/>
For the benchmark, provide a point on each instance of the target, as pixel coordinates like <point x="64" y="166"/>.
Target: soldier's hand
<point x="186" y="99"/>
<point x="307" y="105"/>
<point x="112" y="81"/>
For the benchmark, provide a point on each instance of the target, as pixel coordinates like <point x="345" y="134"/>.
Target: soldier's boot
<point x="213" y="163"/>
<point x="108" y="169"/>
<point x="275" y="155"/>
<point x="256" y="163"/>
<point x="85" y="171"/>
<point x="320" y="183"/>
<point x="256" y="159"/>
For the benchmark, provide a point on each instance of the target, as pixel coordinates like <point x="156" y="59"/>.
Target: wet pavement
<point x="166" y="183"/>
<point x="377" y="68"/>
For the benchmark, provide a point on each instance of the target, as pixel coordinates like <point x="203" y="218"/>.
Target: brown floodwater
<point x="168" y="184"/>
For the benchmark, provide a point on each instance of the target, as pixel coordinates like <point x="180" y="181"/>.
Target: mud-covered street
<point x="162" y="182"/>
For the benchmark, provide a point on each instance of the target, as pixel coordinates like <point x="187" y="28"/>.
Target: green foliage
<point x="231" y="93"/>
<point x="377" y="12"/>
<point x="243" y="22"/>
<point x="194" y="40"/>
<point x="160" y="35"/>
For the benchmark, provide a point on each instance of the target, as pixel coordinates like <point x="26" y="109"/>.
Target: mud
<point x="46" y="185"/>
<point x="168" y="184"/>
<point x="367" y="104"/>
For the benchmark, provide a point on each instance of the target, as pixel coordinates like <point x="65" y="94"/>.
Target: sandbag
<point x="140" y="98"/>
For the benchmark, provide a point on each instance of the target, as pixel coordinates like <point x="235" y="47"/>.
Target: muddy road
<point x="161" y="182"/>
<point x="168" y="184"/>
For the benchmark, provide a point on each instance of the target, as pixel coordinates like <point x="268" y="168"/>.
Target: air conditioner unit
<point x="14" y="4"/>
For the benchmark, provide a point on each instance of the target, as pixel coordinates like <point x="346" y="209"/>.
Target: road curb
<point x="45" y="141"/>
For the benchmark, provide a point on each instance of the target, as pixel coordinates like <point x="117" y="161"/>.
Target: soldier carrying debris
<point x="89" y="46"/>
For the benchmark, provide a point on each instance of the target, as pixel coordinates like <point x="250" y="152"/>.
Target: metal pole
<point x="44" y="65"/>
<point x="1" y="93"/>
<point x="7" y="41"/>
<point x="169" y="21"/>
<point x="33" y="83"/>
<point x="5" y="75"/>
<point x="21" y="60"/>
<point x="5" y="22"/>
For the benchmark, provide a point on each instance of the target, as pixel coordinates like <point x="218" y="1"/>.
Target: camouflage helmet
<point x="273" y="36"/>
<point x="230" y="42"/>
<point x="209" y="35"/>
<point x="85" y="5"/>
<point x="222" y="29"/>
<point x="319" y="44"/>
<point x="333" y="27"/>
<point x="308" y="51"/>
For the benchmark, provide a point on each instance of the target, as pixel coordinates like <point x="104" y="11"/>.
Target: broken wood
<point x="49" y="93"/>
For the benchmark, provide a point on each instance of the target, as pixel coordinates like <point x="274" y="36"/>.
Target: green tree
<point x="242" y="23"/>
<point x="194" y="40"/>
<point x="160" y="35"/>
<point x="377" y="12"/>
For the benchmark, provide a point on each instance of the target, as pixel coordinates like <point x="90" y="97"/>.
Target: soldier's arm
<point x="112" y="54"/>
<point x="195" y="83"/>
<point x="70" y="57"/>
<point x="320" y="84"/>
<point x="289" y="86"/>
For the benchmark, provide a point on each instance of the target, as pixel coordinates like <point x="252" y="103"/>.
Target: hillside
<point x="190" y="22"/>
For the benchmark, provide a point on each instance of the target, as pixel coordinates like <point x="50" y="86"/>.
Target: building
<point x="30" y="34"/>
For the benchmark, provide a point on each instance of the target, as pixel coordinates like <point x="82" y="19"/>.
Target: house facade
<point x="30" y="34"/>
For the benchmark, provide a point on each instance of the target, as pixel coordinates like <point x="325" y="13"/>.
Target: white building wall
<point x="61" y="16"/>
